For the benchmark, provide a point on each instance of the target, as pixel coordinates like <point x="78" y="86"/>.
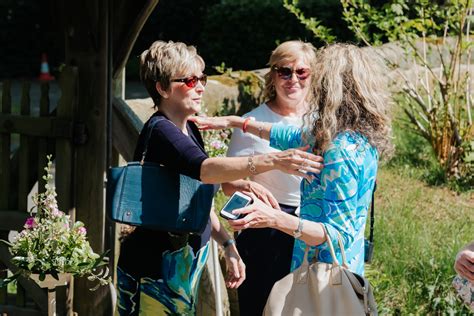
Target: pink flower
<point x="56" y="212"/>
<point x="216" y="144"/>
<point x="30" y="223"/>
<point x="82" y="230"/>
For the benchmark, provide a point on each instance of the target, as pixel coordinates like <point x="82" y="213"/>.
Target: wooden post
<point x="43" y="142"/>
<point x="65" y="176"/>
<point x="87" y="48"/>
<point x="4" y="173"/>
<point x="24" y="173"/>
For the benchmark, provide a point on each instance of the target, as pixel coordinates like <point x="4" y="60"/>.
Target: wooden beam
<point x="65" y="172"/>
<point x="128" y="20"/>
<point x="87" y="49"/>
<point x="126" y="128"/>
<point x="36" y="126"/>
<point x="5" y="174"/>
<point x="19" y="311"/>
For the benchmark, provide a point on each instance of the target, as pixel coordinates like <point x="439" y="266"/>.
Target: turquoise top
<point x="339" y="197"/>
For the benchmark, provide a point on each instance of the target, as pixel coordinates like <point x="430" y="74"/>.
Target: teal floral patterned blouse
<point x="339" y="197"/>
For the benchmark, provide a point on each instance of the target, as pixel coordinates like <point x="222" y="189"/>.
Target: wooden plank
<point x="129" y="18"/>
<point x="5" y="149"/>
<point x="34" y="291"/>
<point x="126" y="128"/>
<point x="24" y="153"/>
<point x="4" y="174"/>
<point x="88" y="48"/>
<point x="65" y="175"/>
<point x="42" y="141"/>
<point x="24" y="172"/>
<point x="64" y="148"/>
<point x="36" y="126"/>
<point x="12" y="220"/>
<point x="19" y="311"/>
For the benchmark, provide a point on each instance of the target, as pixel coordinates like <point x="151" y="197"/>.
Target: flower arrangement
<point x="52" y="244"/>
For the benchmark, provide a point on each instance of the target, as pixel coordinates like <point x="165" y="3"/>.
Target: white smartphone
<point x="237" y="200"/>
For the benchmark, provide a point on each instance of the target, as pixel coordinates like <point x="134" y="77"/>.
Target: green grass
<point x="418" y="231"/>
<point x="420" y="225"/>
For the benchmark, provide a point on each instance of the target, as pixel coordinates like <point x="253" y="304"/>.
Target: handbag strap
<point x="147" y="138"/>
<point x="372" y="214"/>
<point x="177" y="240"/>
<point x="331" y="249"/>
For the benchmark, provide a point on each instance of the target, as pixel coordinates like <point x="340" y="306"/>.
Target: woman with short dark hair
<point x="158" y="272"/>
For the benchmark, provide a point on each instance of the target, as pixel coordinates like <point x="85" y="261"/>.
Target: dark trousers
<point x="267" y="254"/>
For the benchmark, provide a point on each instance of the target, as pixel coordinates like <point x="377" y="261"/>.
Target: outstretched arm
<point x="292" y="161"/>
<point x="260" y="129"/>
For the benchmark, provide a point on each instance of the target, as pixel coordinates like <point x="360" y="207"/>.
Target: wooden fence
<point x="28" y="132"/>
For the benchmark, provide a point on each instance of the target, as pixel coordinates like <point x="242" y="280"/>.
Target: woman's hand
<point x="217" y="122"/>
<point x="235" y="267"/>
<point x="464" y="264"/>
<point x="261" y="193"/>
<point x="257" y="215"/>
<point x="298" y="162"/>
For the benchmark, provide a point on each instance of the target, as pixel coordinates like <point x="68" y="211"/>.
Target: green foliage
<point x="314" y="25"/>
<point x="437" y="102"/>
<point x="414" y="156"/>
<point x="239" y="33"/>
<point x="401" y="20"/>
<point x="243" y="33"/>
<point x="223" y="70"/>
<point x="436" y="98"/>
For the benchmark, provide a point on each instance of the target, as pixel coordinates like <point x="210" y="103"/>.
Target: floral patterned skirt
<point x="174" y="294"/>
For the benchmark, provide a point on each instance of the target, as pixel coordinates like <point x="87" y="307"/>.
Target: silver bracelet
<point x="260" y="129"/>
<point x="251" y="165"/>
<point x="228" y="242"/>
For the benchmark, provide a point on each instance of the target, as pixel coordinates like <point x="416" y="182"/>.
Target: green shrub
<point x="242" y="33"/>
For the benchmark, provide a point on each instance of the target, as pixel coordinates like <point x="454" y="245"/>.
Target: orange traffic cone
<point x="44" y="71"/>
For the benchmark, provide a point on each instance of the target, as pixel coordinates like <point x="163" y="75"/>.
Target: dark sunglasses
<point x="286" y="72"/>
<point x="191" y="82"/>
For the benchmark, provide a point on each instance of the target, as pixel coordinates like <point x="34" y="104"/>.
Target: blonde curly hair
<point x="349" y="93"/>
<point x="286" y="52"/>
<point x="165" y="60"/>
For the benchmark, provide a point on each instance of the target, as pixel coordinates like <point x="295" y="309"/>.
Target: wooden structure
<point x="99" y="35"/>
<point x="38" y="136"/>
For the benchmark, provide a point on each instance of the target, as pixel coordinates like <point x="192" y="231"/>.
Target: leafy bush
<point x="242" y="33"/>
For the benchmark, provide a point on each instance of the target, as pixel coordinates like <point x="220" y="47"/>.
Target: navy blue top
<point x="140" y="252"/>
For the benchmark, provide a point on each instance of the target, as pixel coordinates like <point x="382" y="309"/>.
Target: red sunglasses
<point x="286" y="72"/>
<point x="191" y="82"/>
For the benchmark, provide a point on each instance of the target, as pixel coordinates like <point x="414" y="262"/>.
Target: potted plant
<point x="52" y="247"/>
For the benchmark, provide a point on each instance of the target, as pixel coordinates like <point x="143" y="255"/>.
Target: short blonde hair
<point x="350" y="93"/>
<point x="165" y="60"/>
<point x="286" y="52"/>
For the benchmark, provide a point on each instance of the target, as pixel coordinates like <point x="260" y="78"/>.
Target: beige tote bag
<point x="322" y="289"/>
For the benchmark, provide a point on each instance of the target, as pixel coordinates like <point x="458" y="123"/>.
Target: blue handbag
<point x="150" y="195"/>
